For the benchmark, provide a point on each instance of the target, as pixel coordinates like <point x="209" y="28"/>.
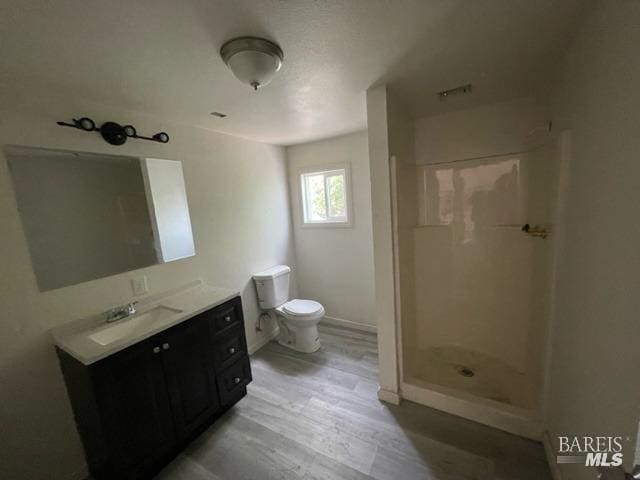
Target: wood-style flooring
<point x="317" y="417"/>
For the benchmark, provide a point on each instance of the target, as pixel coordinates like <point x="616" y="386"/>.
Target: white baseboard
<point x="551" y="456"/>
<point x="341" y="322"/>
<point x="388" y="396"/>
<point x="253" y="348"/>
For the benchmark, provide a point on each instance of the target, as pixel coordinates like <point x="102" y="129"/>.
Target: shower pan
<point x="474" y="255"/>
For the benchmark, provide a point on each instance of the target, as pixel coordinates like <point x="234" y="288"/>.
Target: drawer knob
<point x="237" y="380"/>
<point x="156" y="349"/>
<point x="227" y="318"/>
<point x="166" y="346"/>
<point x="232" y="350"/>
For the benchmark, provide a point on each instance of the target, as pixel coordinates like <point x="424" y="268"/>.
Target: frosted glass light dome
<point x="253" y="61"/>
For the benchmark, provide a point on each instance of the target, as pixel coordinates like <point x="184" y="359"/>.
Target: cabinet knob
<point x="166" y="346"/>
<point x="237" y="380"/>
<point x="227" y="318"/>
<point x="232" y="350"/>
<point x="156" y="349"/>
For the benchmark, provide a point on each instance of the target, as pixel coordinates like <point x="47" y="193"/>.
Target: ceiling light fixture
<point x="252" y="60"/>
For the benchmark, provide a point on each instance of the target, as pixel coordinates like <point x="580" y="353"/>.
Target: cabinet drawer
<point x="229" y="347"/>
<point x="233" y="380"/>
<point x="226" y="316"/>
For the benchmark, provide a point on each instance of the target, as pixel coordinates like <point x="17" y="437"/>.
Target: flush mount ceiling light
<point x="252" y="60"/>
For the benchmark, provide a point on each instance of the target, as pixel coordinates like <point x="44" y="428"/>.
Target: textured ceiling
<point x="161" y="57"/>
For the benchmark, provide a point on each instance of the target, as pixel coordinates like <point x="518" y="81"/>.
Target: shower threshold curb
<point x="510" y="419"/>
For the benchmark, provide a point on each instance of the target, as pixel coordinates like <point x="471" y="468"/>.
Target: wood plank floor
<point x="317" y="417"/>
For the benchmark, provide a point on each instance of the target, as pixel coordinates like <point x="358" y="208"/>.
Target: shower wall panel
<point x="481" y="283"/>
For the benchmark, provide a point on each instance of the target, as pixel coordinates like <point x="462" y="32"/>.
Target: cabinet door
<point x="137" y="417"/>
<point x="188" y="360"/>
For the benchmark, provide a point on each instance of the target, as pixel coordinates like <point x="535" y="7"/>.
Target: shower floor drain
<point x="466" y="372"/>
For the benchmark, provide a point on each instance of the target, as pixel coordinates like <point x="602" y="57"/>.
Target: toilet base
<point x="301" y="339"/>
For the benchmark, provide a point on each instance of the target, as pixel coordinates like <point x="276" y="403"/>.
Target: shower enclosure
<point x="474" y="261"/>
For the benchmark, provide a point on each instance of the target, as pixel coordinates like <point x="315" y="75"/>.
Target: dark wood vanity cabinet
<point x="137" y="408"/>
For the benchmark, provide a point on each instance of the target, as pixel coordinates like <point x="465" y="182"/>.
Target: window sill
<point x="327" y="225"/>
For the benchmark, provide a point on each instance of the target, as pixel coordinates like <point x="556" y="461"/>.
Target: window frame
<point x="302" y="193"/>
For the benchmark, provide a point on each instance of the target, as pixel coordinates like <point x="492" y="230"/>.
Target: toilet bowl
<point x="297" y="319"/>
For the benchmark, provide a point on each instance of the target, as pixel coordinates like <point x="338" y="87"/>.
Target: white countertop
<point x="73" y="337"/>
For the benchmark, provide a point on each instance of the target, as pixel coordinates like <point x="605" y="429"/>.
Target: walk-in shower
<point x="474" y="260"/>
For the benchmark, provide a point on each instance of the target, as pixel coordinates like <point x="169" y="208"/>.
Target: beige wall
<point x="390" y="136"/>
<point x="237" y="192"/>
<point x="379" y="141"/>
<point x="334" y="265"/>
<point x="494" y="129"/>
<point x="594" y="379"/>
<point x="404" y="201"/>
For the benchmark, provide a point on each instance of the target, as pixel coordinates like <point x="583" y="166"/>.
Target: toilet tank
<point x="272" y="286"/>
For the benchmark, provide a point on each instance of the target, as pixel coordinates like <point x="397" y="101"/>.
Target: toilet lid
<point x="301" y="307"/>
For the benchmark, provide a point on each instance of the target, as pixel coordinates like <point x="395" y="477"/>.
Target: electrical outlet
<point x="139" y="285"/>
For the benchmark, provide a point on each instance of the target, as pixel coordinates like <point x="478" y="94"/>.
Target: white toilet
<point x="298" y="319"/>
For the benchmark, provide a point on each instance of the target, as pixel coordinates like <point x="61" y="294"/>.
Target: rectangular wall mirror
<point x="87" y="216"/>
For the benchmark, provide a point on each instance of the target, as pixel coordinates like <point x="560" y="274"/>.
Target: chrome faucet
<point x="119" y="313"/>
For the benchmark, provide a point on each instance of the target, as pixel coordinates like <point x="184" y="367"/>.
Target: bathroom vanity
<point x="141" y="392"/>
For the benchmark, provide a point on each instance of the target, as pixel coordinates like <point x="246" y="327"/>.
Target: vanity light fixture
<point x="253" y="60"/>
<point x="444" y="94"/>
<point x="113" y="132"/>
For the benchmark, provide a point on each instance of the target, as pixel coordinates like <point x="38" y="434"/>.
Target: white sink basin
<point x="133" y="325"/>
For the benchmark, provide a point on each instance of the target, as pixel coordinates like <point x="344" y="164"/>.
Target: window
<point x="325" y="197"/>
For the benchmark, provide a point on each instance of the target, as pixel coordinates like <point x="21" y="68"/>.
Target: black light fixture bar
<point x="444" y="94"/>
<point x="113" y="132"/>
